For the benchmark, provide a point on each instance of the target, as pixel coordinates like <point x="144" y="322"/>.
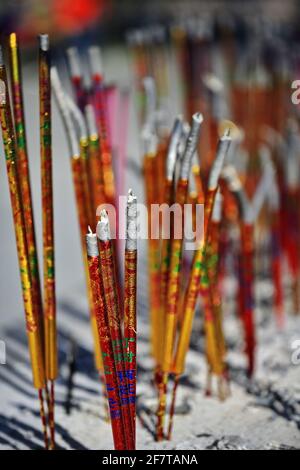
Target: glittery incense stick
<point x="99" y="101"/>
<point x="196" y="199"/>
<point x="80" y="195"/>
<point x="78" y="117"/>
<point x="153" y="248"/>
<point x="108" y="276"/>
<point x="76" y="77"/>
<point x="166" y="241"/>
<point x="94" y="161"/>
<point x="88" y="201"/>
<point x="110" y="372"/>
<point x="212" y="263"/>
<point x="169" y="194"/>
<point x="48" y="224"/>
<point x="192" y="290"/>
<point x="130" y="287"/>
<point x="32" y="321"/>
<point x="215" y="363"/>
<point x="24" y="176"/>
<point x="149" y="139"/>
<point x="175" y="267"/>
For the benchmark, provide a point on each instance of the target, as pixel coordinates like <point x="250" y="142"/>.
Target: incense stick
<point x="245" y="264"/>
<point x="192" y="289"/>
<point x="31" y="317"/>
<point x="130" y="288"/>
<point x="94" y="161"/>
<point x="48" y="224"/>
<point x="81" y="189"/>
<point x="102" y="318"/>
<point x="112" y="305"/>
<point x="24" y="176"/>
<point x="99" y="101"/>
<point x="76" y="77"/>
<point x="165" y="261"/>
<point x="150" y="165"/>
<point x="175" y="267"/>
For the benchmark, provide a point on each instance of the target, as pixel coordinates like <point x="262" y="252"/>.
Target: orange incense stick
<point x="95" y="166"/>
<point x="175" y="267"/>
<point x="78" y="117"/>
<point x="88" y="207"/>
<point x="213" y="330"/>
<point x="32" y="320"/>
<point x="48" y="224"/>
<point x="81" y="196"/>
<point x="168" y="199"/>
<point x="213" y="270"/>
<point x="152" y="197"/>
<point x="192" y="290"/>
<point x="23" y="171"/>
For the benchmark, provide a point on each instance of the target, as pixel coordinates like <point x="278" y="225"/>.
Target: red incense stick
<point x="108" y="276"/>
<point x="110" y="372"/>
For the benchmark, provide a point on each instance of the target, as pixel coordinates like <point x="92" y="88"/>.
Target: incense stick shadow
<point x="13" y="428"/>
<point x="15" y="386"/>
<point x="150" y="426"/>
<point x="267" y="396"/>
<point x="185" y="381"/>
<point x="72" y="311"/>
<point x="10" y="446"/>
<point x="69" y="346"/>
<point x="64" y="434"/>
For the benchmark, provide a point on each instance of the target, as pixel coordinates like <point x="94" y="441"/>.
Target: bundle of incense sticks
<point x="118" y="346"/>
<point x="87" y="176"/>
<point x="40" y="322"/>
<point x="171" y="325"/>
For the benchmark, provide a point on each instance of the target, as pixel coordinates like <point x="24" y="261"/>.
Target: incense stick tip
<point x="227" y="133"/>
<point x="103" y="229"/>
<point x="95" y="59"/>
<point x="91" y="243"/>
<point x="173" y="146"/>
<point x="74" y="62"/>
<point x="131" y="222"/>
<point x="191" y="145"/>
<point x="44" y="42"/>
<point x="131" y="196"/>
<point x="13" y="40"/>
<point x="197" y="118"/>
